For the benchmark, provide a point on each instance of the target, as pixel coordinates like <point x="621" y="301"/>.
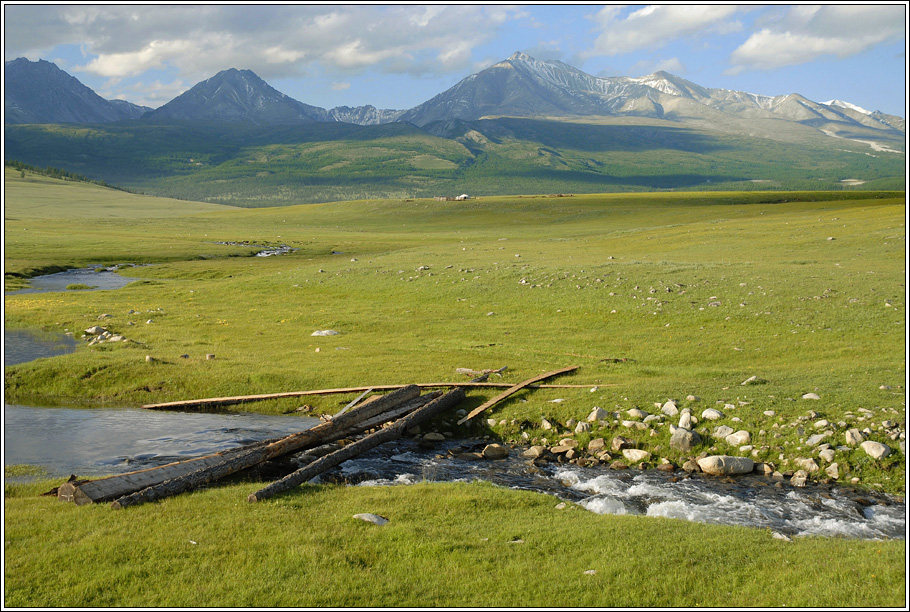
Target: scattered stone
<point x="769" y="413"/>
<point x="725" y="465"/>
<point x="763" y="468"/>
<point x="739" y="438"/>
<point x="149" y="359"/>
<point x="753" y="380"/>
<point x="854" y="437"/>
<point x="811" y="396"/>
<point x="827" y="455"/>
<point x="325" y="332"/>
<point x="808" y="465"/>
<point x="372" y="518"/>
<point x="693" y="398"/>
<point x="634" y="455"/>
<point x="876" y="450"/>
<point x="821" y="424"/>
<point x="210" y="356"/>
<point x="799" y="478"/>
<point x="690" y="466"/>
<point x="95" y="330"/>
<point x="833" y="471"/>
<point x="545" y="424"/>
<point x="712" y="415"/>
<point x="434" y="437"/>
<point x="635" y="413"/>
<point x="779" y="536"/>
<point x="620" y="443"/>
<point x="495" y="451"/>
<point x="816" y="439"/>
<point x="597" y="414"/>
<point x="582" y="427"/>
<point x="618" y="465"/>
<point x="685" y="419"/>
<point x="670" y="408"/>
<point x="534" y="452"/>
<point x="723" y="431"/>
<point x="684" y="440"/>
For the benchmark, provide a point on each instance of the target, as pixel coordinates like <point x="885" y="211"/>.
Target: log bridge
<point x="377" y="420"/>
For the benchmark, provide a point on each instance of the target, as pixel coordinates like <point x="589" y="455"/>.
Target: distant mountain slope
<point x="236" y="95"/>
<point x="525" y="87"/>
<point x="39" y="92"/>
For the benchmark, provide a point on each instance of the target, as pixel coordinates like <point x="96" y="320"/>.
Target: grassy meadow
<point x="653" y="296"/>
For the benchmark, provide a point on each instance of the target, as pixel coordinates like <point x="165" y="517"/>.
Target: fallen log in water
<point x="333" y="429"/>
<point x="392" y="432"/>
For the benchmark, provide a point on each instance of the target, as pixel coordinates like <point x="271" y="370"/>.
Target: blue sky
<point x="398" y="56"/>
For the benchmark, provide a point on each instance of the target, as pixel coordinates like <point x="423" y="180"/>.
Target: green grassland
<point x="446" y="545"/>
<point x="696" y="292"/>
<point x="252" y="166"/>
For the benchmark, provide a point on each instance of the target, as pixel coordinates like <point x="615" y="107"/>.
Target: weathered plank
<point x="393" y="432"/>
<point x="241" y="399"/>
<point x="512" y="390"/>
<point x="321" y="433"/>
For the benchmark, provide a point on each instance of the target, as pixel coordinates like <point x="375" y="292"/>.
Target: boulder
<point x="621" y="442"/>
<point x="597" y="414"/>
<point x="670" y="408"/>
<point x="854" y="437"/>
<point x="534" y="452"/>
<point x="876" y="450"/>
<point x="685" y="420"/>
<point x="827" y="455"/>
<point x="596" y="445"/>
<point x="738" y="438"/>
<point x="495" y="451"/>
<point x="684" y="440"/>
<point x="634" y="455"/>
<point x="723" y="431"/>
<point x="808" y="465"/>
<point x="799" y="478"/>
<point x="711" y="414"/>
<point x="582" y="427"/>
<point x="725" y="465"/>
<point x="833" y="471"/>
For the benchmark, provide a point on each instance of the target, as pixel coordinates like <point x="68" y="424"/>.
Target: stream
<point x="95" y="442"/>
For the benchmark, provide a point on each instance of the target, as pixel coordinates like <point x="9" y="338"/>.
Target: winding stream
<point x="95" y="442"/>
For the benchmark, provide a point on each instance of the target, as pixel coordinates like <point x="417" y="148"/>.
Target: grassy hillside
<point x="251" y="166"/>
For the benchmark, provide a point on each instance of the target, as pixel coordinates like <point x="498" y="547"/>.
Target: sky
<point x="397" y="56"/>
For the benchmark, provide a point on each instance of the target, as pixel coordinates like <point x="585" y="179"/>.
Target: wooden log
<point x="240" y="399"/>
<point x="393" y="432"/>
<point x="319" y="434"/>
<point x="512" y="390"/>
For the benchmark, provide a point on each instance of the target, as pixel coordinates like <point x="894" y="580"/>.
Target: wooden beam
<point x="240" y="399"/>
<point x="512" y="390"/>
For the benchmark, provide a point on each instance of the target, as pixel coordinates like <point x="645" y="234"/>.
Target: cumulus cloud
<point x="802" y="34"/>
<point x="275" y="41"/>
<point x="654" y="26"/>
<point x="672" y="65"/>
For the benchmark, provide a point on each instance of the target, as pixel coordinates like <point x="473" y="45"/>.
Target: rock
<point x="582" y="427"/>
<point x="769" y="413"/>
<point x="799" y="479"/>
<point x="495" y="451"/>
<point x="739" y="438"/>
<point x="685" y="419"/>
<point x="325" y="332"/>
<point x="693" y="398"/>
<point x="821" y="424"/>
<point x="636" y="413"/>
<point x="811" y="396"/>
<point x="372" y="518"/>
<point x="618" y="465"/>
<point x="545" y="424"/>
<point x="534" y="452"/>
<point x="210" y="356"/>
<point x="723" y="431"/>
<point x="597" y="414"/>
<point x="690" y="466"/>
<point x="763" y="468"/>
<point x="876" y="450"/>
<point x="725" y="465"/>
<point x="780" y="536"/>
<point x="816" y="439"/>
<point x="827" y="455"/>
<point x="434" y="437"/>
<point x="808" y="465"/>
<point x="596" y="445"/>
<point x="571" y="423"/>
<point x="670" y="408"/>
<point x="634" y="455"/>
<point x="634" y="424"/>
<point x="833" y="471"/>
<point x="854" y="437"/>
<point x="684" y="440"/>
<point x="620" y="442"/>
<point x="753" y="380"/>
<point x="149" y="359"/>
<point x="492" y="422"/>
<point x="95" y="330"/>
<point x="666" y="467"/>
<point x="711" y="414"/>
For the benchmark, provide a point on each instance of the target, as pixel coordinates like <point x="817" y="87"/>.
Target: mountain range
<point x="521" y="126"/>
<point x="520" y="86"/>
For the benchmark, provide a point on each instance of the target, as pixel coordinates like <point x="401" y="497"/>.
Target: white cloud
<point x="672" y="65"/>
<point x="654" y="26"/>
<point x="804" y="33"/>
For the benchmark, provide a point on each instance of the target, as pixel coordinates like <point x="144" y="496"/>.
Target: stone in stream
<point x="495" y="451"/>
<point x="725" y="465"/>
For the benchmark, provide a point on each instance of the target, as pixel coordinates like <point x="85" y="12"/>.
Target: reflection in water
<point x="95" y="277"/>
<point x="21" y="346"/>
<point x="112" y="441"/>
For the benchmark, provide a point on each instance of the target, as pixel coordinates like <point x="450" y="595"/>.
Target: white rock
<point x="739" y="438"/>
<point x="854" y="437"/>
<point x="723" y="465"/>
<point x="325" y="332"/>
<point x="582" y="427"/>
<point x="833" y="471"/>
<point x="712" y="415"/>
<point x="635" y="455"/>
<point x="372" y="518"/>
<point x="670" y="409"/>
<point x="876" y="450"/>
<point x="597" y="414"/>
<point x="811" y="396"/>
<point x="827" y="455"/>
